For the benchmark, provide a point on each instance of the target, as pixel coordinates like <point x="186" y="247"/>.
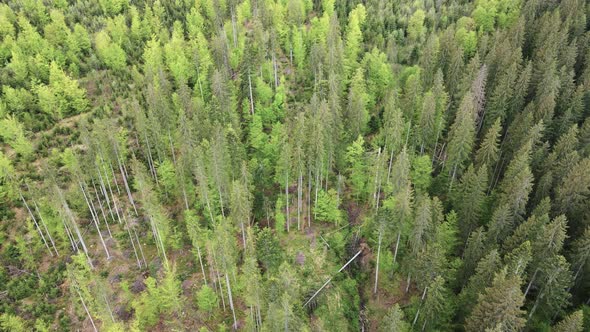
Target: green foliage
<point x="268" y="250"/>
<point x="416" y="29"/>
<point x="420" y="174"/>
<point x="111" y="54"/>
<point x="12" y="323"/>
<point x="12" y="132"/>
<point x="145" y="135"/>
<point x="355" y="158"/>
<point x="326" y="207"/>
<point x="207" y="299"/>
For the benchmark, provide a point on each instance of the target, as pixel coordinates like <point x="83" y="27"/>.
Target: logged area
<point x="295" y="165"/>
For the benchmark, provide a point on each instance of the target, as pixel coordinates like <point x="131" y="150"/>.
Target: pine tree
<point x="499" y="304"/>
<point x="572" y="323"/>
<point x="461" y="138"/>
<point x="394" y="320"/>
<point x="437" y="307"/>
<point x="355" y="157"/>
<point x="470" y="198"/>
<point x="354" y="38"/>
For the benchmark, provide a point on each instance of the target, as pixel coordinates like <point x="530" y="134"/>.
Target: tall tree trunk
<point x="250" y="91"/>
<point x="86" y="309"/>
<point x="95" y="219"/>
<point x="288" y="217"/>
<point x="36" y="224"/>
<point x="231" y="301"/>
<point x="399" y="233"/>
<point x="123" y="173"/>
<point x="377" y="266"/>
<point x="45" y="227"/>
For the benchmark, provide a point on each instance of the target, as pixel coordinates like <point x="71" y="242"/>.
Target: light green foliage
<point x="12" y="132"/>
<point x="232" y="140"/>
<point x="484" y="15"/>
<point x="167" y="176"/>
<point x="420" y="174"/>
<point x="416" y="29"/>
<point x="63" y="96"/>
<point x="354" y="37"/>
<point x="357" y="168"/>
<point x="113" y="7"/>
<point x="357" y="113"/>
<point x="207" y="299"/>
<point x="466" y="35"/>
<point x="326" y="207"/>
<point x="298" y="47"/>
<point x="12" y="323"/>
<point x="177" y="61"/>
<point x="280" y="218"/>
<point x="111" y="54"/>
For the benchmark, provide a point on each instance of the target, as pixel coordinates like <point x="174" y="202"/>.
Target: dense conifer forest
<point x="295" y="165"/>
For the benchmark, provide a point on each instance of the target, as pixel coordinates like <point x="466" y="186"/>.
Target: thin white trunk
<point x="104" y="216"/>
<point x="121" y="169"/>
<point x="87" y="312"/>
<point x="95" y="219"/>
<point x="140" y="248"/>
<point x="287" y="201"/>
<point x="330" y="279"/>
<point x="132" y="243"/>
<point x="274" y="61"/>
<point x="150" y="159"/>
<point x="309" y="198"/>
<point x="399" y="233"/>
<point x="106" y="301"/>
<point x="36" y="225"/>
<point x="299" y="198"/>
<point x="390" y="164"/>
<point x="528" y="287"/>
<point x="377" y="267"/>
<point x="231" y="301"/>
<point x="45" y="227"/>
<point x="114" y="177"/>
<point x="104" y="193"/>
<point x="416" y="317"/>
<point x="251" y="97"/>
<point x="201" y="263"/>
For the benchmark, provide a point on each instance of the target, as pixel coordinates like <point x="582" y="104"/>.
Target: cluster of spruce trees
<point x="295" y="165"/>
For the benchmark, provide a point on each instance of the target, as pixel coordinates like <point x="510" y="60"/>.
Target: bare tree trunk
<point x="114" y="177"/>
<point x="132" y="243"/>
<point x="399" y="233"/>
<point x="274" y="62"/>
<point x="104" y="216"/>
<point x="299" y="198"/>
<point x="94" y="218"/>
<point x="86" y="309"/>
<point x="250" y="90"/>
<point x="201" y="263"/>
<point x="140" y="248"/>
<point x="45" y="227"/>
<point x="36" y="224"/>
<point x="377" y="267"/>
<point x="528" y="287"/>
<point x="309" y="198"/>
<point x="121" y="169"/>
<point x="104" y="192"/>
<point x="287" y="201"/>
<point x="231" y="301"/>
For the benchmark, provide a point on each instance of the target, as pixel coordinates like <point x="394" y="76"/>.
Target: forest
<point x="295" y="165"/>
